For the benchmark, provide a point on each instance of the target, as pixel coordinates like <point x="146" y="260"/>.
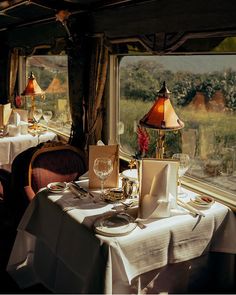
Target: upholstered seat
<point x="62" y="163"/>
<point x="34" y="168"/>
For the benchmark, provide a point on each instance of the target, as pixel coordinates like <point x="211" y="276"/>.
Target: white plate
<point x="56" y="187"/>
<point x="198" y="202"/>
<point x="118" y="224"/>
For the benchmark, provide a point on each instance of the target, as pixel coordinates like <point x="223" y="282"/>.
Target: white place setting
<point x="66" y="239"/>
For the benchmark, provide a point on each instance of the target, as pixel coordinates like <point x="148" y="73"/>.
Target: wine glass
<point x="102" y="167"/>
<point x="37" y="114"/>
<point x="47" y="116"/>
<point x="184" y="163"/>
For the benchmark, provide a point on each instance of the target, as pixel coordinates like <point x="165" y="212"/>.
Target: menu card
<point x="5" y="112"/>
<point x="100" y="151"/>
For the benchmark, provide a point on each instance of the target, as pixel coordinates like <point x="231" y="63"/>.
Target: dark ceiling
<point x="15" y="13"/>
<point x="111" y="15"/>
<point x="153" y="21"/>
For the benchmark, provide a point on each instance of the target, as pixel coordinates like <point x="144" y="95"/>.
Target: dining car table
<point x="11" y="146"/>
<point x="64" y="243"/>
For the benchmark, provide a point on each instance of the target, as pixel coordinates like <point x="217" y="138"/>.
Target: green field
<point x="214" y="129"/>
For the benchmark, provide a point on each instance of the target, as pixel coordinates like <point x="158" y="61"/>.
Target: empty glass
<point x="37" y="114"/>
<point x="184" y="163"/>
<point x="103" y="168"/>
<point x="47" y="116"/>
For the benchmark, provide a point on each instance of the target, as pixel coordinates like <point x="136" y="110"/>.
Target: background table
<point x="56" y="246"/>
<point x="10" y="147"/>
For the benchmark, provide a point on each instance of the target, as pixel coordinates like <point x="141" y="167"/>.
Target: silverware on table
<point x="78" y="194"/>
<point x="140" y="224"/>
<point x="81" y="190"/>
<point x="190" y="208"/>
<point x="130" y="204"/>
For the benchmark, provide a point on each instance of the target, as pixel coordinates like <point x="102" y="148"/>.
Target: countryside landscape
<point x="202" y="99"/>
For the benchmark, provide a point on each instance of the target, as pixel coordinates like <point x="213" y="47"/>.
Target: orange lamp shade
<point x="162" y="115"/>
<point x="32" y="87"/>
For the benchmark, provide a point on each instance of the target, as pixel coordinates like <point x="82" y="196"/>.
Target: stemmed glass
<point x="47" y="116"/>
<point x="37" y="114"/>
<point x="184" y="163"/>
<point x="103" y="168"/>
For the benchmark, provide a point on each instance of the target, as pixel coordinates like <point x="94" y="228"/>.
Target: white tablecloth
<point x="56" y="244"/>
<point x="10" y="147"/>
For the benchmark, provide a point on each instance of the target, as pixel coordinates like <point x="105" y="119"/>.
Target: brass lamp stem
<point x="32" y="107"/>
<point x="160" y="144"/>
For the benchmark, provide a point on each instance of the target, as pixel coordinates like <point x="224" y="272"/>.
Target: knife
<point x="190" y="208"/>
<point x="76" y="191"/>
<point x="81" y="189"/>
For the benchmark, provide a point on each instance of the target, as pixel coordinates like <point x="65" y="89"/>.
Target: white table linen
<point x="56" y="244"/>
<point x="10" y="147"/>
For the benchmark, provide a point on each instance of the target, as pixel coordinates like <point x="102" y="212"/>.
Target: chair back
<point x="37" y="166"/>
<point x="62" y="163"/>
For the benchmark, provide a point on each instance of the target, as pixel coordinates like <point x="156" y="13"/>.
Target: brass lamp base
<point x="32" y="108"/>
<point x="160" y="144"/>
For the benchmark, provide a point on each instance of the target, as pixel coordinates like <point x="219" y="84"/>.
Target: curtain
<point x="13" y="70"/>
<point x="97" y="73"/>
<point x="4" y="65"/>
<point x="87" y="67"/>
<point x="77" y="59"/>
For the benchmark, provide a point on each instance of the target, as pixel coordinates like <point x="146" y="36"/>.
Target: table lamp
<point x="32" y="89"/>
<point x="162" y="117"/>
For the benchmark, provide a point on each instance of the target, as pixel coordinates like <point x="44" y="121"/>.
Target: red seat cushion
<point x="57" y="165"/>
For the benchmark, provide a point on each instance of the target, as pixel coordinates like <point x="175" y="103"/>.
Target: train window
<point x="203" y="93"/>
<point x="51" y="73"/>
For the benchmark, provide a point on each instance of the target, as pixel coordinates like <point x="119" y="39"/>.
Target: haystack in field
<point x="56" y="87"/>
<point x="198" y="103"/>
<point x="217" y="102"/>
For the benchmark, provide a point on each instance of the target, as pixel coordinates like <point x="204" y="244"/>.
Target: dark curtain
<point x="4" y="61"/>
<point x="77" y="60"/>
<point x="88" y="65"/>
<point x="12" y="78"/>
<point x="97" y="72"/>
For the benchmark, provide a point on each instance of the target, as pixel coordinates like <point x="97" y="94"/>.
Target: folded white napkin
<point x="14" y="119"/>
<point x="23" y="114"/>
<point x="99" y="142"/>
<point x="24" y="127"/>
<point x="156" y="204"/>
<point x="13" y="130"/>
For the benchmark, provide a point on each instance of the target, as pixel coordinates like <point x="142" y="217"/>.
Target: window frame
<point x="223" y="196"/>
<point x="22" y="81"/>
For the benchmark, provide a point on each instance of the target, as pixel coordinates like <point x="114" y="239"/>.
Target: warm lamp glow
<point x="162" y="114"/>
<point x="32" y="89"/>
<point x="162" y="117"/>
